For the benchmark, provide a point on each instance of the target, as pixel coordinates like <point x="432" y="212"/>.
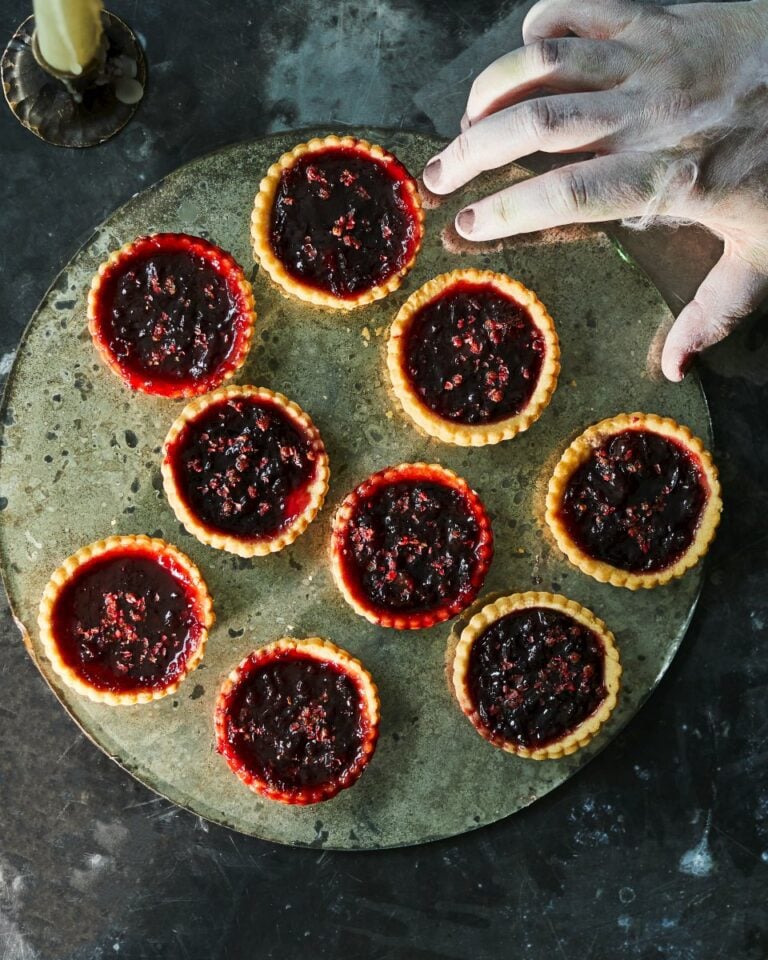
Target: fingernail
<point x="465" y="221"/>
<point x="685" y="364"/>
<point x="432" y="169"/>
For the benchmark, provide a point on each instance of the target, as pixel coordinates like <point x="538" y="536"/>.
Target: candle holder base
<point x="74" y="114"/>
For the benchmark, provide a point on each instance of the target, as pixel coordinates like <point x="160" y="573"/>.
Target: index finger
<point x="604" y="188"/>
<point x="562" y="64"/>
<point x="557" y="124"/>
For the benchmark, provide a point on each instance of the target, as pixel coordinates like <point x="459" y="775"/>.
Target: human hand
<point x="673" y="102"/>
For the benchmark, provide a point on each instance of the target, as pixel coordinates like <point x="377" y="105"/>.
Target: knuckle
<point x="502" y="208"/>
<point x="463" y="151"/>
<point x="670" y="105"/>
<point x="542" y="117"/>
<point x="574" y="192"/>
<point x="681" y="101"/>
<point x="643" y="16"/>
<point x="548" y="54"/>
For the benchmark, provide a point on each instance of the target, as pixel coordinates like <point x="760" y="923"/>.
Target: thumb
<point x="731" y="290"/>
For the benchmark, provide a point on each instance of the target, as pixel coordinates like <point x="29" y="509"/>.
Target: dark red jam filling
<point x="244" y="467"/>
<point x="127" y="621"/>
<point x="169" y="313"/>
<point x="413" y="546"/>
<point x="343" y="221"/>
<point x="296" y="722"/>
<point x="474" y="355"/>
<point x="535" y="675"/>
<point x="636" y="502"/>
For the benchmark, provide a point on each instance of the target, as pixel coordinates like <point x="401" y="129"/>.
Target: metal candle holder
<point x="71" y="110"/>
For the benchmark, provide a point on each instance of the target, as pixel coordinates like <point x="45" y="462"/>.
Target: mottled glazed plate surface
<point x="81" y="460"/>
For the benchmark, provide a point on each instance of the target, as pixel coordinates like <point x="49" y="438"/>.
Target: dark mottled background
<point x="659" y="848"/>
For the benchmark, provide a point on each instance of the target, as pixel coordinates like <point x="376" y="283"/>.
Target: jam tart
<point x="171" y="314"/>
<point x="124" y="620"/>
<point x="537" y="674"/>
<point x="411" y="546"/>
<point x="337" y="222"/>
<point x="297" y="721"/>
<point x="634" y="501"/>
<point x="473" y="357"/>
<point x="245" y="470"/>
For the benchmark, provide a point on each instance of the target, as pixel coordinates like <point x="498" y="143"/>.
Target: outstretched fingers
<point x="558" y="64"/>
<point x="605" y="188"/>
<point x="556" y="124"/>
<point x="732" y="289"/>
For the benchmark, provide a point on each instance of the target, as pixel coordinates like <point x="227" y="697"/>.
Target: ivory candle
<point x="68" y="33"/>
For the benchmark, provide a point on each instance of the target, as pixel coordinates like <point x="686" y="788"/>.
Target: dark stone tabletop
<point x="659" y="848"/>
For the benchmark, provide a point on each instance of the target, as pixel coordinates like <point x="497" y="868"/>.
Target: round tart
<point x="245" y="470"/>
<point x="124" y="620"/>
<point x="411" y="546"/>
<point x="634" y="501"/>
<point x="537" y="674"/>
<point x="473" y="357"/>
<point x="298" y="720"/>
<point x="171" y="314"/>
<point x="337" y="222"/>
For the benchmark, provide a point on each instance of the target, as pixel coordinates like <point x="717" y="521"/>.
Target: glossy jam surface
<point x="636" y="502"/>
<point x="535" y="675"/>
<point x="127" y="621"/>
<point x="244" y="467"/>
<point x="413" y="546"/>
<point x="344" y="222"/>
<point x="171" y="314"/>
<point x="474" y="355"/>
<point x="296" y="722"/>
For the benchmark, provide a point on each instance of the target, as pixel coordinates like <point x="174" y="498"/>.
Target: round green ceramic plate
<point x="81" y="460"/>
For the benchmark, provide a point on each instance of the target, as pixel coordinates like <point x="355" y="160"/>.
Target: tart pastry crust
<point x="313" y="492"/>
<point x="323" y="652"/>
<point x="572" y="739"/>
<point x="144" y="547"/>
<point x="142" y="377"/>
<point x="261" y="224"/>
<point x="582" y="449"/>
<point x="454" y="430"/>
<point x="345" y="573"/>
